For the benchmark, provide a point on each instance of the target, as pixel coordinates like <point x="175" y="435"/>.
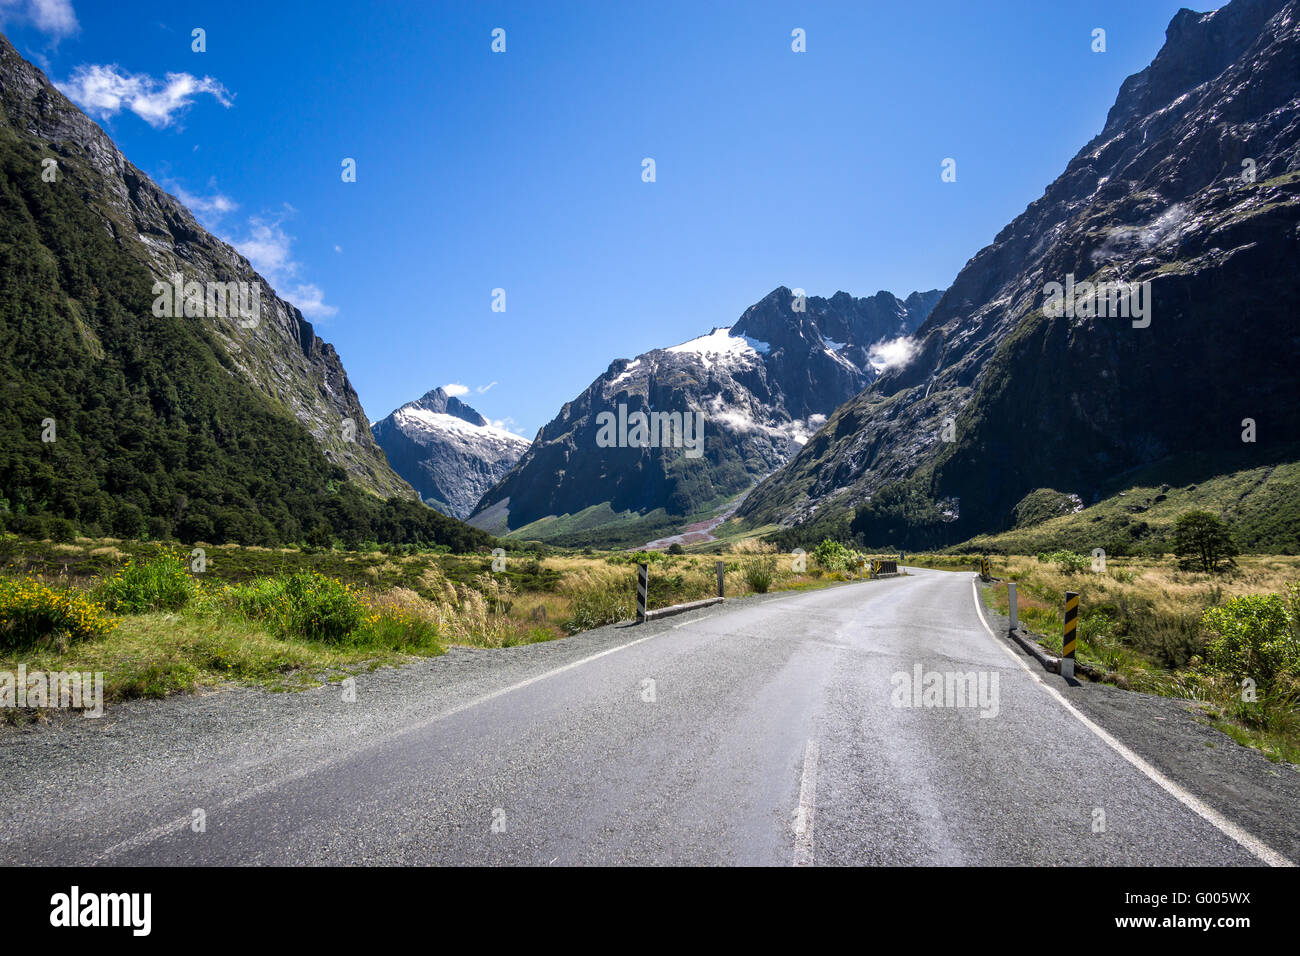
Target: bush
<point x="676" y="548"/>
<point x="833" y="556"/>
<point x="1252" y="636"/>
<point x="304" y="604"/>
<point x="159" y="583"/>
<point x="1067" y="562"/>
<point x="31" y="612"/>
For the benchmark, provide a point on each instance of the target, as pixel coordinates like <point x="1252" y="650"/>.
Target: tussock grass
<point x="1143" y="623"/>
<point x="286" y="619"/>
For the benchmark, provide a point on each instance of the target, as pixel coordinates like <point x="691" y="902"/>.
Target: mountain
<point x="757" y="389"/>
<point x="1190" y="197"/>
<point x="153" y="383"/>
<point x="448" y="452"/>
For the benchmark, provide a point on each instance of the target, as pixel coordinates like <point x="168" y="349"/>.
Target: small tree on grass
<point x="1202" y="540"/>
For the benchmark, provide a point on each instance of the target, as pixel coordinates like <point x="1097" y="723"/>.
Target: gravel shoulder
<point x="88" y="777"/>
<point x="1175" y="737"/>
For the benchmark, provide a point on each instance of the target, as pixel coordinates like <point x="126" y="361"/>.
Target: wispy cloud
<point x="107" y="90"/>
<point x="55" y="17"/>
<point x="310" y="300"/>
<point x="455" y="389"/>
<point x="508" y="424"/>
<point x="208" y="209"/>
<point x="270" y="249"/>
<point x="483" y="388"/>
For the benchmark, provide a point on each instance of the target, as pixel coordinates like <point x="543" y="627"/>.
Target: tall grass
<point x="161" y="582"/>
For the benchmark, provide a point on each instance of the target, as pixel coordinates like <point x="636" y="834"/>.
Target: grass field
<point x="287" y="619"/>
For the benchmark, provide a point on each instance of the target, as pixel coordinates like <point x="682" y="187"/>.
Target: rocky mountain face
<point x="153" y="384"/>
<point x="757" y="389"/>
<point x="447" y="451"/>
<point x="1133" y="317"/>
<point x="278" y="354"/>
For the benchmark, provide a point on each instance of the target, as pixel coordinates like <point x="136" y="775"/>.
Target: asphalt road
<point x="766" y="731"/>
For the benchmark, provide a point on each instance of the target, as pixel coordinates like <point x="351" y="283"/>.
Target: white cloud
<point x="55" y="17"/>
<point x="107" y="90"/>
<point x="310" y="301"/>
<point x="507" y="424"/>
<point x="895" y="353"/>
<point x="455" y="389"/>
<point x="338" y="248"/>
<point x="270" y="250"/>
<point x="267" y="248"/>
<point x="209" y="209"/>
<point x="483" y="388"/>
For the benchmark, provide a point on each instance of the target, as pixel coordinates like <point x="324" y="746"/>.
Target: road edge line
<point x="1253" y="845"/>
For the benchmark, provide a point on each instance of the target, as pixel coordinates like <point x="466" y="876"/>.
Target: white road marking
<point x="807" y="809"/>
<point x="1253" y="845"/>
<point x="693" y="621"/>
<point x="181" y="823"/>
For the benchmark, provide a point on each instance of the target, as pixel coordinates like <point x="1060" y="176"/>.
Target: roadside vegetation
<point x="1229" y="640"/>
<point x="158" y="619"/>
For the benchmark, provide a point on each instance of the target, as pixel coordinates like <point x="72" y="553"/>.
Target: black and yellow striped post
<point x="1071" y="632"/>
<point x="984" y="569"/>
<point x="642" y="589"/>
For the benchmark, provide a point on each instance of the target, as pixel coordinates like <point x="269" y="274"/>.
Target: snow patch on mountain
<point x="448" y="452"/>
<point x="722" y="346"/>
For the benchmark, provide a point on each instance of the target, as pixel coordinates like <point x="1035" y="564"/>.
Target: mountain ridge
<point x="762" y="385"/>
<point x="447" y="450"/>
<point x="1158" y="197"/>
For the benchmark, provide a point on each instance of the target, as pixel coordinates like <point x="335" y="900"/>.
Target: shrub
<point x="1068" y="562"/>
<point x="305" y="604"/>
<point x="159" y="583"/>
<point x="31" y="612"/>
<point x="833" y="556"/>
<point x="676" y="548"/>
<point x="1251" y="636"/>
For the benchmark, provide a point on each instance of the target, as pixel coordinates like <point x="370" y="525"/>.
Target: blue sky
<point x="522" y="170"/>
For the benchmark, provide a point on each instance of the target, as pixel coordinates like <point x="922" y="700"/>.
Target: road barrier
<point x="879" y="566"/>
<point x="642" y="590"/>
<point x="1071" y="630"/>
<point x="643" y="614"/>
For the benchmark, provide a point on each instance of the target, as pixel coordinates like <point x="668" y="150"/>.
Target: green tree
<point x="1202" y="540"/>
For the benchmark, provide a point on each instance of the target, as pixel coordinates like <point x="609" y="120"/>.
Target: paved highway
<point x="783" y="730"/>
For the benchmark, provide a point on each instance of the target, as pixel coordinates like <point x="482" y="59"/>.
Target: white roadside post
<point x="1011" y="596"/>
